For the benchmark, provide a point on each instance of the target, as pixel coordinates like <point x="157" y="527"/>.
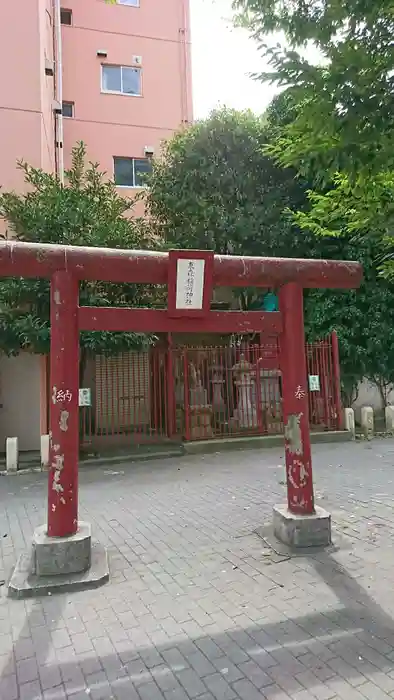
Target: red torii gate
<point x="67" y="265"/>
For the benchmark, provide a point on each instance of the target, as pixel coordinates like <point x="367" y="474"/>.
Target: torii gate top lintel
<point x="116" y="265"/>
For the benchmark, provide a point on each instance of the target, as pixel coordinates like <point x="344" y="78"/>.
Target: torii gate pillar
<point x="299" y="523"/>
<point x="63" y="556"/>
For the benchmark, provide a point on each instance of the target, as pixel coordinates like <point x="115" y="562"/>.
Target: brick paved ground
<point x="197" y="606"/>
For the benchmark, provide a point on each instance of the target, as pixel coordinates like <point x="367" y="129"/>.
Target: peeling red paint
<point x="63" y="421"/>
<point x="63" y="446"/>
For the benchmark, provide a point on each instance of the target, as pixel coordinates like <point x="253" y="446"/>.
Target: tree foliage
<point x="341" y="134"/>
<point x="86" y="211"/>
<point x="342" y="222"/>
<point x="345" y="114"/>
<point x="214" y="188"/>
<point x="337" y="131"/>
<point x="363" y="318"/>
<point x="358" y="212"/>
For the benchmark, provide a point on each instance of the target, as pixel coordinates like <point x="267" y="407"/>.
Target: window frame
<point x="67" y="10"/>
<point x="120" y="92"/>
<point x="71" y="104"/>
<point x="126" y="4"/>
<point x="132" y="159"/>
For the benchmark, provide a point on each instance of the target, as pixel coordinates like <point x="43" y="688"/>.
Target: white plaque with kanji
<point x="190" y="283"/>
<point x="85" y="398"/>
<point x="314" y="382"/>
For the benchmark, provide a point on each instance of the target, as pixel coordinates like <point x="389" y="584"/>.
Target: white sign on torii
<point x="189" y="283"/>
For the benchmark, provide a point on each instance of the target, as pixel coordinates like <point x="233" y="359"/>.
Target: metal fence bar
<point x="337" y="380"/>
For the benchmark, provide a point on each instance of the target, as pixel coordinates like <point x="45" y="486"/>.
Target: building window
<point x="131" y="172"/>
<point x="130" y="3"/>
<point x="66" y="16"/>
<point x="68" y="109"/>
<point x="121" y="79"/>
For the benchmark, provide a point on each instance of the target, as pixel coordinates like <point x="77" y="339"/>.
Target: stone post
<point x="350" y="425"/>
<point x="389" y="416"/>
<point x="44" y="449"/>
<point x="367" y="421"/>
<point x="11" y="454"/>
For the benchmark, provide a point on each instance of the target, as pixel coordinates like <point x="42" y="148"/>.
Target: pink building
<point x="122" y="85"/>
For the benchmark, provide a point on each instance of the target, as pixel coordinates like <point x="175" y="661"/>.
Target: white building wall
<point x="20" y="400"/>
<point x="369" y="395"/>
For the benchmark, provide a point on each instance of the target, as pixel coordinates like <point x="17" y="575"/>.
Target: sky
<point x="222" y="58"/>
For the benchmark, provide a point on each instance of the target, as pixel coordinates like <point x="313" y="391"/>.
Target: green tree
<point x="363" y="318"/>
<point x="215" y="189"/>
<point x="350" y="222"/>
<point x="87" y="211"/>
<point x="358" y="212"/>
<point x="342" y="223"/>
<point x="341" y="133"/>
<point x="345" y="115"/>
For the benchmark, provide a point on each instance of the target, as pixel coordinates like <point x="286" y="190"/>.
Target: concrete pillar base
<point x="302" y="530"/>
<point x="61" y="555"/>
<point x="59" y="564"/>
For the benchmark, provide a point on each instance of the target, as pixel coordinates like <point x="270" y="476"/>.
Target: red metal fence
<point x="201" y="393"/>
<point x="325" y="400"/>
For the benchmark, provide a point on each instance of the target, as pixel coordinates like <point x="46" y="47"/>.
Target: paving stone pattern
<point x="198" y="607"/>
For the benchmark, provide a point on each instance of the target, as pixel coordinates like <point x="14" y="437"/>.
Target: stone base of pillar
<point x="301" y="531"/>
<point x="62" y="555"/>
<point x="59" y="564"/>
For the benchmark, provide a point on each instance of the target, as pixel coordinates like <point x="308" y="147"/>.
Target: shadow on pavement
<point x="329" y="653"/>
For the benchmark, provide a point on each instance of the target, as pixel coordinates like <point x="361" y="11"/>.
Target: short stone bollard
<point x="389" y="417"/>
<point x="367" y="421"/>
<point x="11" y="454"/>
<point x="349" y="422"/>
<point x="44" y="450"/>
